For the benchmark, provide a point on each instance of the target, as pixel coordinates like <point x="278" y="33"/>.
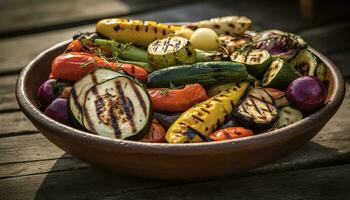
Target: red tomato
<point x="230" y="133"/>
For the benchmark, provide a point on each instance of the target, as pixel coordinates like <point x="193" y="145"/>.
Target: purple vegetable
<point x="57" y="110"/>
<point x="307" y="93"/>
<point x="278" y="43"/>
<point x="49" y="91"/>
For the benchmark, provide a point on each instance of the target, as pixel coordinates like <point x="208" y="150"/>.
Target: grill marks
<point x="140" y="99"/>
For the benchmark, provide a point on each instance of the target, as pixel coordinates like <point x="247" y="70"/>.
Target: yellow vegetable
<point x="205" y="39"/>
<point x="141" y="33"/>
<point x="207" y="116"/>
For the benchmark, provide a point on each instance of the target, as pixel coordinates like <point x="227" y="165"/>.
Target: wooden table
<point x="32" y="167"/>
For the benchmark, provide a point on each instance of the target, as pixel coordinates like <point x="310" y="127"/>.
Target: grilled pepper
<point x="205" y="117"/>
<point x="138" y="32"/>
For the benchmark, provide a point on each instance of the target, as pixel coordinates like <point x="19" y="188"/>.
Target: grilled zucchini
<point x="118" y="108"/>
<point x="321" y="71"/>
<point x="305" y="63"/>
<point x="198" y="122"/>
<point x="140" y="33"/>
<point x="286" y="116"/>
<point x="171" y="51"/>
<point x="257" y="110"/>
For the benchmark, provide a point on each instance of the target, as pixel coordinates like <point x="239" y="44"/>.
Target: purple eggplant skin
<point x="282" y="44"/>
<point x="307" y="93"/>
<point x="57" y="110"/>
<point x="46" y="93"/>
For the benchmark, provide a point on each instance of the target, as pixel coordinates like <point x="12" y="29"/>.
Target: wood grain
<point x="15" y="123"/>
<point x="7" y="93"/>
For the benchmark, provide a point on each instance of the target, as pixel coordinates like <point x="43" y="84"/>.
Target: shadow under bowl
<point x="175" y="161"/>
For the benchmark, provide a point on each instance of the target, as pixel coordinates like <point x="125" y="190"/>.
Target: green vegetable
<point x="257" y="110"/>
<point x="204" y="73"/>
<point x="124" y="51"/>
<point x="118" y="108"/>
<point x="171" y="51"/>
<point x="256" y="60"/>
<point x="321" y="71"/>
<point x="144" y="65"/>
<point x="305" y="63"/>
<point x="205" y="56"/>
<point x="286" y="116"/>
<point x="279" y="75"/>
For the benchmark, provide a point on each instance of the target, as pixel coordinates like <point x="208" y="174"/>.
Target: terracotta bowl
<point x="164" y="161"/>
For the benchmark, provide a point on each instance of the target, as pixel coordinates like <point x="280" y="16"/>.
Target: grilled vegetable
<point x="212" y="91"/>
<point x="75" y="46"/>
<point x="118" y="108"/>
<point x="74" y="65"/>
<point x="232" y="43"/>
<point x="205" y="56"/>
<point x="166" y="119"/>
<point x="155" y="134"/>
<point x="198" y="122"/>
<point x="49" y="91"/>
<point x="230" y="122"/>
<point x="79" y="91"/>
<point x="279" y="75"/>
<point x="305" y="63"/>
<point x="286" y="116"/>
<point x="184" y="32"/>
<point x="225" y="25"/>
<point x="138" y="32"/>
<point x="307" y="93"/>
<point x="256" y="60"/>
<point x="230" y="133"/>
<point x="177" y="100"/>
<point x="171" y="51"/>
<point x="321" y="71"/>
<point x="278" y="96"/>
<point x="123" y="51"/>
<point x="135" y="71"/>
<point x="279" y="44"/>
<point x="57" y="110"/>
<point x="204" y="73"/>
<point x="205" y="39"/>
<point x="257" y="110"/>
<point x="144" y="65"/>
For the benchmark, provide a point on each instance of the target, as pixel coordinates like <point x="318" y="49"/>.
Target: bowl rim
<point x="334" y="101"/>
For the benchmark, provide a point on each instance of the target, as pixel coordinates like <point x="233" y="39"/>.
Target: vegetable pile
<point x="211" y="80"/>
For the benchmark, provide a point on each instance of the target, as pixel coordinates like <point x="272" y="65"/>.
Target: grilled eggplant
<point x="228" y="25"/>
<point x="138" y="32"/>
<point x="305" y="63"/>
<point x="286" y="116"/>
<point x="79" y="91"/>
<point x="171" y="51"/>
<point x="203" y="118"/>
<point x="118" y="108"/>
<point x="231" y="43"/>
<point x="256" y="60"/>
<point x="257" y="110"/>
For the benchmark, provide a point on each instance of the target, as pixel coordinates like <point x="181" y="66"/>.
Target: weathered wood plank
<point x="21" y="17"/>
<point x="321" y="183"/>
<point x="7" y="93"/>
<point x="15" y="123"/>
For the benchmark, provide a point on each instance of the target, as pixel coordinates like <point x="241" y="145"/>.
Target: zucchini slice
<point x="305" y="63"/>
<point x="171" y="51"/>
<point x="80" y="88"/>
<point x="321" y="71"/>
<point x="118" y="108"/>
<point x="279" y="75"/>
<point x="286" y="116"/>
<point x="256" y="60"/>
<point x="257" y="110"/>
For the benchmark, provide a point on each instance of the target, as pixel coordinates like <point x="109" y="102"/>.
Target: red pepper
<point x="155" y="134"/>
<point x="177" y="100"/>
<point x="75" y="46"/>
<point x="230" y="133"/>
<point x="74" y="65"/>
<point x="135" y="71"/>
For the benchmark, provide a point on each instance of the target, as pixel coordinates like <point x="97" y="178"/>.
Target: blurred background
<point x="29" y="26"/>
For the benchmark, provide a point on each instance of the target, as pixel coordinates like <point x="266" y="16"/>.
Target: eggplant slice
<point x="80" y="89"/>
<point x="118" y="108"/>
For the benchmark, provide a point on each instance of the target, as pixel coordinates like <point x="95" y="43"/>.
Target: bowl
<point x="175" y="161"/>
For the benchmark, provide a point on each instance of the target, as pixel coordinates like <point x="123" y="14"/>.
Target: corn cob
<point x="205" y="117"/>
<point x="228" y="25"/>
<point x="140" y="33"/>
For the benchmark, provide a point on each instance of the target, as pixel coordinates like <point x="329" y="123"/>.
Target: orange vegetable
<point x="74" y="65"/>
<point x="155" y="134"/>
<point x="75" y="46"/>
<point x="274" y="92"/>
<point x="135" y="71"/>
<point x="230" y="133"/>
<point x="177" y="100"/>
